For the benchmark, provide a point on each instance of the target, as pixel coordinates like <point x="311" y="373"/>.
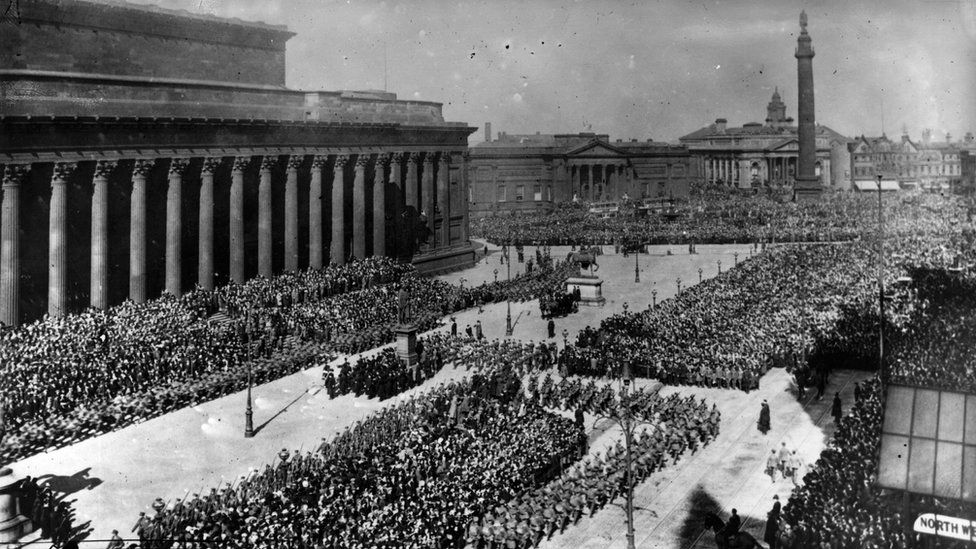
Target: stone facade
<point x="125" y="185"/>
<point x="765" y="155"/>
<point x="529" y="173"/>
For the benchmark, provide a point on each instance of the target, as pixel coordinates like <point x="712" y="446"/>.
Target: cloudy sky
<point x="639" y="69"/>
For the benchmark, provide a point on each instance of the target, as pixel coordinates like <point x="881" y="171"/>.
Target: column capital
<point x="103" y="168"/>
<point x="177" y="166"/>
<point x="319" y="161"/>
<point x="361" y="162"/>
<point x="340" y="162"/>
<point x="295" y="162"/>
<point x="210" y="164"/>
<point x="428" y="158"/>
<point x="414" y="157"/>
<point x="14" y="174"/>
<point x="268" y="163"/>
<point x="142" y="166"/>
<point x="445" y="156"/>
<point x="383" y="159"/>
<point x="62" y="171"/>
<point x="397" y="157"/>
<point x="240" y="163"/>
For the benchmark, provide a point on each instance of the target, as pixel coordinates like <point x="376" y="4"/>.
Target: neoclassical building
<point x="533" y="172"/>
<point x="148" y="150"/>
<point x="766" y="154"/>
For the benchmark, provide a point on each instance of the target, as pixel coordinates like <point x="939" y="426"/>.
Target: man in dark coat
<point x="552" y="328"/>
<point x="764" y="418"/>
<point x="836" y="410"/>
<point x="734" y="524"/>
<point x="453" y="327"/>
<point x="770" y="534"/>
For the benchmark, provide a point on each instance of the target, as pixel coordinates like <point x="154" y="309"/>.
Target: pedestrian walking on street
<point x="453" y="327"/>
<point x="764" y="418"/>
<point x="771" y="534"/>
<point x="771" y="463"/>
<point x="836" y="410"/>
<point x="552" y="328"/>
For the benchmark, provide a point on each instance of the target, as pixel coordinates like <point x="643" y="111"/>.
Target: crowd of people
<point x="724" y="218"/>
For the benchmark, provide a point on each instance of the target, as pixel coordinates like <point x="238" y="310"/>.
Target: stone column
<point x="379" y="205"/>
<point x="98" y="295"/>
<point x="359" y="207"/>
<point x="205" y="261"/>
<point x="137" y="231"/>
<point x="57" y="278"/>
<point x="464" y="198"/>
<point x="443" y="197"/>
<point x="315" y="213"/>
<point x="410" y="186"/>
<point x="291" y="212"/>
<point x="396" y="173"/>
<point x="174" y="227"/>
<point x="427" y="190"/>
<point x="236" y="221"/>
<point x="264" y="217"/>
<point x="337" y="253"/>
<point x="13" y="176"/>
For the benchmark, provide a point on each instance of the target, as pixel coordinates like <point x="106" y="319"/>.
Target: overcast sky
<point x="640" y="69"/>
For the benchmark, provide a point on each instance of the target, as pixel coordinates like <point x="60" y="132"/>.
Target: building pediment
<point x="789" y="145"/>
<point x="597" y="148"/>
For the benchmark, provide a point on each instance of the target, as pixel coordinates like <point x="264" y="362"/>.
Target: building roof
<point x="755" y="129"/>
<point x="569" y="144"/>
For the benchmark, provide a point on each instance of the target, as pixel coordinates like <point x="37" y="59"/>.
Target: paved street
<point x="112" y="477"/>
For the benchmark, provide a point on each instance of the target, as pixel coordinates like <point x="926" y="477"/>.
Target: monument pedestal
<point x="590" y="288"/>
<point x="13" y="525"/>
<point x="406" y="343"/>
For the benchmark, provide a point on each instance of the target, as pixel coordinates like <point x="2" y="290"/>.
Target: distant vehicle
<point x="605" y="209"/>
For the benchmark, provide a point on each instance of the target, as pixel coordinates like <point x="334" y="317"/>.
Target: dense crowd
<point x="839" y="504"/>
<point x="724" y="219"/>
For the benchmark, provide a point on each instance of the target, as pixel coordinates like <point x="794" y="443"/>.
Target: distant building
<point x="765" y="155"/>
<point x="967" y="162"/>
<point x="893" y="160"/>
<point x="529" y="173"/>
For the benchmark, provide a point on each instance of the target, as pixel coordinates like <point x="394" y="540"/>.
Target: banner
<point x="945" y="526"/>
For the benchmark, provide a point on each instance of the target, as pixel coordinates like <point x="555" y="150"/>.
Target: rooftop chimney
<point x="720" y="125"/>
<point x="488" y="132"/>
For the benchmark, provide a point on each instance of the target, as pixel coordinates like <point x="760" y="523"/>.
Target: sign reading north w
<point x="948" y="527"/>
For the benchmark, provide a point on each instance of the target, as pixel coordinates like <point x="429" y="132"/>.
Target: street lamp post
<point x="508" y="301"/>
<point x="248" y="411"/>
<point x="654" y="297"/>
<point x="736" y="257"/>
<point x="636" y="266"/>
<point x="699" y="274"/>
<point x="719" y="266"/>
<point x="677" y="281"/>
<point x="881" y="318"/>
<point x="496" y="274"/>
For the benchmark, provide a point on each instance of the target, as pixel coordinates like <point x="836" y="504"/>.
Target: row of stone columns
<point x="14" y="175"/>
<point x="612" y="177"/>
<point x="722" y="169"/>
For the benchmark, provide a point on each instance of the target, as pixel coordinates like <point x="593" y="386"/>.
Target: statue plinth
<point x="13" y="525"/>
<point x="406" y="343"/>
<point x="590" y="288"/>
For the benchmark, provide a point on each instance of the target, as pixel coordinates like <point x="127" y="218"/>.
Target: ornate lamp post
<point x="699" y="274"/>
<point x="625" y="307"/>
<point x="248" y="411"/>
<point x="654" y="297"/>
<point x="736" y="257"/>
<point x="496" y="274"/>
<point x="719" y="266"/>
<point x="677" y="281"/>
<point x="636" y="265"/>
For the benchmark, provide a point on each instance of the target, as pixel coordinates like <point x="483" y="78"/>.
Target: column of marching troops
<point x="420" y="172"/>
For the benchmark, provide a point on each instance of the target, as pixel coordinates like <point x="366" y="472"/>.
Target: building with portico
<point x="147" y="150"/>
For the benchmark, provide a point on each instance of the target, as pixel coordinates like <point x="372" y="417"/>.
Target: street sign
<point x="947" y="527"/>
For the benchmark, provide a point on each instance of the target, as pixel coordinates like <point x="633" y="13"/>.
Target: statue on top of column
<point x="404" y="313"/>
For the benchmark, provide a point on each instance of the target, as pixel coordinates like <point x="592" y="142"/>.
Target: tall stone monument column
<point x="264" y="217"/>
<point x="57" y="278"/>
<point x="359" y="208"/>
<point x="174" y="227"/>
<point x="807" y="184"/>
<point x="291" y="212"/>
<point x="13" y="176"/>
<point x="137" y="231"/>
<point x="379" y="205"/>
<point x="315" y="213"/>
<point x="443" y="197"/>
<point x="236" y="221"/>
<point x="205" y="263"/>
<point x="98" y="294"/>
<point x="337" y="251"/>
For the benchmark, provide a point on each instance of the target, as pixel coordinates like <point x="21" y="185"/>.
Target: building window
<point x="537" y="193"/>
<point x="470" y="195"/>
<point x="501" y="193"/>
<point x="519" y="193"/>
<point x="549" y="193"/>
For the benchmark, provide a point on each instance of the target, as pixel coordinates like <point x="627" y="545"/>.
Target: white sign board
<point x="947" y="527"/>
